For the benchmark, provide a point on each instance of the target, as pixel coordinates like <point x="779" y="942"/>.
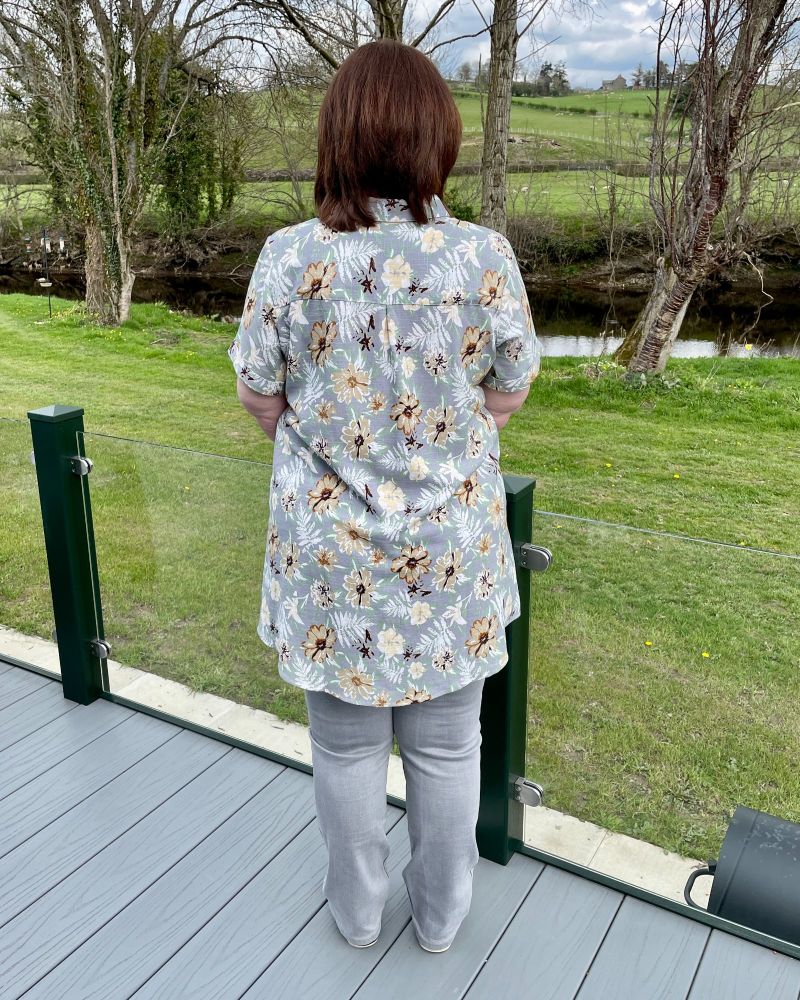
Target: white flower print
<point x="391" y="497"/>
<point x="420" y="612"/>
<point x="418" y="468"/>
<point x="396" y="272"/>
<point x="390" y="642"/>
<point x="388" y="331"/>
<point x="431" y="240"/>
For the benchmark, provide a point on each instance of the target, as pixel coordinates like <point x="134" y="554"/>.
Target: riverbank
<point x="663" y="670"/>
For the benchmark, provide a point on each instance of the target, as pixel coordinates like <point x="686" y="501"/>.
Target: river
<point x="570" y="319"/>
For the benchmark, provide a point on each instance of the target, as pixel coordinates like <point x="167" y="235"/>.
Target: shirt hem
<point x="489" y="668"/>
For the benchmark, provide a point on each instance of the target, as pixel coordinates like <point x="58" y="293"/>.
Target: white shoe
<point x="425" y="947"/>
<point x="371" y="943"/>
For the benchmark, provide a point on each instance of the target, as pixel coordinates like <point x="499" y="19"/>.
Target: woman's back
<point x="389" y="573"/>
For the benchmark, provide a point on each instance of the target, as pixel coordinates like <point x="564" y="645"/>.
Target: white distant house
<point x="618" y="83"/>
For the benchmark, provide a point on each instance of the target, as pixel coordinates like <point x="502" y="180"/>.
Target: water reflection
<point x="557" y="346"/>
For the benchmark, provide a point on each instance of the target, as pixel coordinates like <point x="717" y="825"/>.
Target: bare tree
<point x="93" y="82"/>
<point x="723" y="156"/>
<point x="510" y="22"/>
<point x="333" y="31"/>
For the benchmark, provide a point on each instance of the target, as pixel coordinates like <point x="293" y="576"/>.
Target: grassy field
<point x="664" y="687"/>
<point x="576" y="199"/>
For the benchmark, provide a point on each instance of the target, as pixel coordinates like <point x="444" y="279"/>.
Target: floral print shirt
<point x="388" y="576"/>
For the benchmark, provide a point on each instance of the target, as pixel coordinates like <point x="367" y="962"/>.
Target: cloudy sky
<point x="606" y="38"/>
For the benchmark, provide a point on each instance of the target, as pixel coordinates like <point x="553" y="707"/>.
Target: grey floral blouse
<point x="388" y="576"/>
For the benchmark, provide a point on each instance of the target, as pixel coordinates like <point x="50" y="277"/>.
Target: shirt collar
<point x="397" y="210"/>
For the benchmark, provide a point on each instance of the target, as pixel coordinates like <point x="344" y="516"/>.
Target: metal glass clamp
<point x="528" y="792"/>
<point x="101" y="648"/>
<point x="81" y="465"/>
<point x="535" y="557"/>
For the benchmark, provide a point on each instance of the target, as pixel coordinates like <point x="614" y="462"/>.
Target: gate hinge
<point x="528" y="792"/>
<point x="534" y="557"/>
<point x="81" y="465"/>
<point x="101" y="648"/>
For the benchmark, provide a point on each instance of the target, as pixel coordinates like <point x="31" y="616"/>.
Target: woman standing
<point x="382" y="346"/>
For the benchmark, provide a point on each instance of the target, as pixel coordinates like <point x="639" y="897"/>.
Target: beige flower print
<point x="412" y="695"/>
<point x="440" y="425"/>
<point x="381" y="700"/>
<point x="482" y="636"/>
<point x="377" y="403"/>
<point x="493" y="288"/>
<point x="357" y="438"/>
<point x="472" y="344"/>
<point x="325" y="412"/>
<point x="351" y="537"/>
<point x="351" y="383"/>
<point x="355" y="681"/>
<point x="325" y="558"/>
<point x="319" y="642"/>
<point x="396" y="272"/>
<point x="469" y="491"/>
<point x="325" y="495"/>
<point x="406" y="413"/>
<point x="321" y="343"/>
<point x="497" y="510"/>
<point x="447" y="569"/>
<point x="317" y="280"/>
<point x="359" y="587"/>
<point x="412" y="563"/>
<point x="273" y="539"/>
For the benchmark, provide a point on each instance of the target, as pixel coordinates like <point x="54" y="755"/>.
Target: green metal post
<point x="504" y="712"/>
<point x="69" y="540"/>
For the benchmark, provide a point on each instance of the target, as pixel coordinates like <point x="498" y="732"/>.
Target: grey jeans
<point x="439" y="743"/>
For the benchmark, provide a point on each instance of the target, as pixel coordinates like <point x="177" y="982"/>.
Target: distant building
<point x="618" y="83"/>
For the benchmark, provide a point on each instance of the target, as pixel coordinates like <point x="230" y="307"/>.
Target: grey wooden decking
<point x="139" y="858"/>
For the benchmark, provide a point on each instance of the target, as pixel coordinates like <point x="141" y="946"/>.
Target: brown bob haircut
<point x="388" y="128"/>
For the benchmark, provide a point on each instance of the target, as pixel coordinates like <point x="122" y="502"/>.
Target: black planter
<point x="757" y="876"/>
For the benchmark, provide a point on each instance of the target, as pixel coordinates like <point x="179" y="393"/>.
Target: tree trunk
<point x="109" y="277"/>
<point x="648" y="344"/>
<point x="502" y="59"/>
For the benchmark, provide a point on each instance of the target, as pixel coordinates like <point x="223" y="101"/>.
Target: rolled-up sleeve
<point x="518" y="350"/>
<point x="256" y="352"/>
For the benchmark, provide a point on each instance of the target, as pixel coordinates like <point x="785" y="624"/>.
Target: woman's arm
<point x="502" y="404"/>
<point x="266" y="409"/>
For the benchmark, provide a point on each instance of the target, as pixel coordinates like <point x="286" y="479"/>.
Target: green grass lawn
<point x="664" y="687"/>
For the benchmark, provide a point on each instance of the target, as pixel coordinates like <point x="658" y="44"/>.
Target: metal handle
<point x="709" y="869"/>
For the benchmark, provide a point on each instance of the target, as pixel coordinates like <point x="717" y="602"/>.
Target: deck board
<point x="38" y="708"/>
<point x="139" y="858"/>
